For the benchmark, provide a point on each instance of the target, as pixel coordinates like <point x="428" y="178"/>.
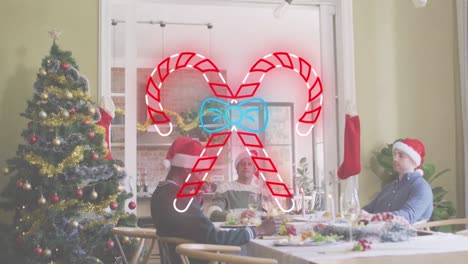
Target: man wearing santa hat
<point x="231" y="198"/>
<point x="409" y="196"/>
<point x="193" y="224"/>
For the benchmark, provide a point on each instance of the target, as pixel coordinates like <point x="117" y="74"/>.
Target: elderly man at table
<point x="409" y="196"/>
<point x="231" y="198"/>
<point x="193" y="224"/>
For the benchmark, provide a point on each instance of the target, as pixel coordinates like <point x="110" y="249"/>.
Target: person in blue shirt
<point x="193" y="224"/>
<point x="410" y="196"/>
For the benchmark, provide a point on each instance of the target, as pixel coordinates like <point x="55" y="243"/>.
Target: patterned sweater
<point x="192" y="224"/>
<point x="230" y="200"/>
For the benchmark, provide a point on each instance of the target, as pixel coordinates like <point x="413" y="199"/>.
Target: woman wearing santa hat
<point x="193" y="224"/>
<point x="409" y="196"/>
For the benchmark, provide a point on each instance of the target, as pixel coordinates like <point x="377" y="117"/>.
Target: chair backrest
<point x="427" y="225"/>
<point x="164" y="247"/>
<point x="212" y="254"/>
<point x="136" y="232"/>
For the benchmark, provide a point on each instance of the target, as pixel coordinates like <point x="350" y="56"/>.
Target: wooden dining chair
<point x="165" y="242"/>
<point x="136" y="232"/>
<point x="216" y="253"/>
<point x="456" y="221"/>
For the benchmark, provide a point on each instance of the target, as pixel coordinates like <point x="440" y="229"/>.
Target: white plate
<point x="284" y="242"/>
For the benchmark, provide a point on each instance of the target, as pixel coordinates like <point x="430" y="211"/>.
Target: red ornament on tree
<point x="33" y="139"/>
<point x="95" y="156"/>
<point x="55" y="198"/>
<point x="65" y="65"/>
<point x="132" y="205"/>
<point x="19" y="184"/>
<point x="110" y="244"/>
<point x="72" y="110"/>
<point x="38" y="250"/>
<point x="113" y="205"/>
<point x="91" y="134"/>
<point x="79" y="192"/>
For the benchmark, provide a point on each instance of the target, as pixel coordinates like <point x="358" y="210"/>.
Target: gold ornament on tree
<point x="65" y="113"/>
<point x="42" y="114"/>
<point x="57" y="142"/>
<point x="93" y="195"/>
<point x="6" y="170"/>
<point x="44" y="96"/>
<point x="41" y="200"/>
<point x="27" y="186"/>
<point x="42" y="72"/>
<point x="91" y="110"/>
<point x="47" y="253"/>
<point x="75" y="224"/>
<point x="68" y="95"/>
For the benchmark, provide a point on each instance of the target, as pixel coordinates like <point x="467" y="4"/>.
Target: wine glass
<point x="350" y="208"/>
<point x="253" y="202"/>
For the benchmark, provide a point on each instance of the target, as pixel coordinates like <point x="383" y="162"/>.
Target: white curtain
<point x="462" y="27"/>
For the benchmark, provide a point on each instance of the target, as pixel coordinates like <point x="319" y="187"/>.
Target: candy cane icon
<point x="246" y="135"/>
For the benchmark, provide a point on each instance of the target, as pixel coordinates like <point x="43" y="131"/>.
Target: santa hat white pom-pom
<point x="420" y="172"/>
<point x="166" y="163"/>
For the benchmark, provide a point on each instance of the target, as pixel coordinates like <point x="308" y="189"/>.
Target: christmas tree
<point x="64" y="188"/>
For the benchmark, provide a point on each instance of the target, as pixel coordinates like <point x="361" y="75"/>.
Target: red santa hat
<point x="414" y="149"/>
<point x="184" y="152"/>
<point x="243" y="155"/>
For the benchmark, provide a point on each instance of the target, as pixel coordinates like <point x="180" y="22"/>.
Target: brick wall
<point x="183" y="91"/>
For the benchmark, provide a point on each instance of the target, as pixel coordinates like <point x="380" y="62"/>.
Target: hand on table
<point x="248" y="214"/>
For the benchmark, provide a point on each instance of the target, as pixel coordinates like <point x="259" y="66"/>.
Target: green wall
<point x="23" y="26"/>
<point x="407" y="85"/>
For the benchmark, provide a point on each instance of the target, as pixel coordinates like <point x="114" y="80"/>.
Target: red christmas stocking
<point x="105" y="122"/>
<point x="352" y="148"/>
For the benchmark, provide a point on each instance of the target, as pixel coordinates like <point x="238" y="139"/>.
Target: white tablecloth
<point x="442" y="248"/>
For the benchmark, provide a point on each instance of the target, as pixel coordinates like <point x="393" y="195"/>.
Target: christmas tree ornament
<point x="95" y="156"/>
<point x="91" y="110"/>
<point x="113" y="205"/>
<point x="42" y="114"/>
<point x="73" y="110"/>
<point x="55" y="198"/>
<point x="93" y="195"/>
<point x="75" y="224"/>
<point x="33" y="139"/>
<point x="104" y="144"/>
<point x="42" y="72"/>
<point x="65" y="65"/>
<point x="19" y="184"/>
<point x="41" y="200"/>
<point x="87" y="122"/>
<point x="78" y="192"/>
<point x="132" y="205"/>
<point x="38" y="250"/>
<point x="65" y="113"/>
<point x="47" y="253"/>
<point x="44" y="96"/>
<point x="121" y="188"/>
<point x="125" y="239"/>
<point x="91" y="134"/>
<point x="6" y="170"/>
<point x="68" y="95"/>
<point x="56" y="142"/>
<point x="110" y="244"/>
<point x="27" y="186"/>
<point x="118" y="168"/>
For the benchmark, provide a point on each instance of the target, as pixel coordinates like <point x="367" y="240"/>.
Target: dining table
<point x="435" y="248"/>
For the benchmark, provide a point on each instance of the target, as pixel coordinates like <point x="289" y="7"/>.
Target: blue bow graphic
<point x="244" y="116"/>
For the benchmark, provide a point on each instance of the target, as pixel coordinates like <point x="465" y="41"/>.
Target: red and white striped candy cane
<point x="247" y="89"/>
